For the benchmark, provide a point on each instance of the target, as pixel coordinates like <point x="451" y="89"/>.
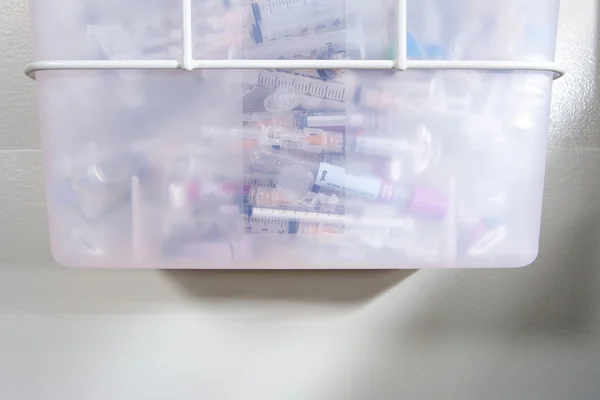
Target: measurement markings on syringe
<point x="275" y="5"/>
<point x="260" y="183"/>
<point x="339" y="94"/>
<point x="304" y="85"/>
<point x="257" y="225"/>
<point x="318" y="91"/>
<point x="272" y="5"/>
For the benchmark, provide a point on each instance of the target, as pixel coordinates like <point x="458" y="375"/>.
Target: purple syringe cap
<point x="428" y="203"/>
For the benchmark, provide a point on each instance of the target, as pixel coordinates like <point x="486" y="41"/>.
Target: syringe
<point x="267" y="197"/>
<point x="302" y="48"/>
<point x="309" y="140"/>
<point x="333" y="219"/>
<point x="325" y="94"/>
<point x="302" y="84"/>
<point x="294" y="18"/>
<point x="313" y="119"/>
<point x="263" y="225"/>
<point x="423" y="150"/>
<point x="284" y="120"/>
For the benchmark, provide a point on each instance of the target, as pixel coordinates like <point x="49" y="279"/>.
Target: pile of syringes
<point x="414" y="167"/>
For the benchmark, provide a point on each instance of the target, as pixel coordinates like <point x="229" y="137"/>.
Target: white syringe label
<point x="304" y="85"/>
<point x="335" y="177"/>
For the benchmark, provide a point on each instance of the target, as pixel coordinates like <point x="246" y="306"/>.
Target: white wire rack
<point x="187" y="62"/>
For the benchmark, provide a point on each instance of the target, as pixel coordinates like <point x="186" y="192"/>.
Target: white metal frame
<point x="187" y="62"/>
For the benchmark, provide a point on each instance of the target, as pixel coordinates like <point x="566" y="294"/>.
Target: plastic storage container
<point x="266" y="168"/>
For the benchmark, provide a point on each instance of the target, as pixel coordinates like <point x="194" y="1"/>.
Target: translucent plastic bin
<point x="315" y="169"/>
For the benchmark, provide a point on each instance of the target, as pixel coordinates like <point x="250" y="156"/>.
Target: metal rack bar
<point x="32" y="68"/>
<point x="187" y="63"/>
<point x="401" y="34"/>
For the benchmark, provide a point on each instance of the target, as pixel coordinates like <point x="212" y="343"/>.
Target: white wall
<point x="517" y="334"/>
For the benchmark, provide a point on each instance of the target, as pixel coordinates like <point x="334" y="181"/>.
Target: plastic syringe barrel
<point x="302" y="84"/>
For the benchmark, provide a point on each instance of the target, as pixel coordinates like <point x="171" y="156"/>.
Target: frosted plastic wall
<point x="294" y="169"/>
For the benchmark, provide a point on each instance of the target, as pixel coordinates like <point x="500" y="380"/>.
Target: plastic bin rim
<point x="70" y="65"/>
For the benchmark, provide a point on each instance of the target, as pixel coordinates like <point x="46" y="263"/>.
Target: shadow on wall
<point x="306" y="286"/>
<point x="497" y="334"/>
<point x="556" y="295"/>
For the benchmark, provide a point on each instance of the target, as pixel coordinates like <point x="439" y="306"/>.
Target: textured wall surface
<point x="529" y="334"/>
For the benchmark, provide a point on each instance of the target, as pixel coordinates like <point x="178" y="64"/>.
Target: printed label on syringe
<point x="335" y="177"/>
